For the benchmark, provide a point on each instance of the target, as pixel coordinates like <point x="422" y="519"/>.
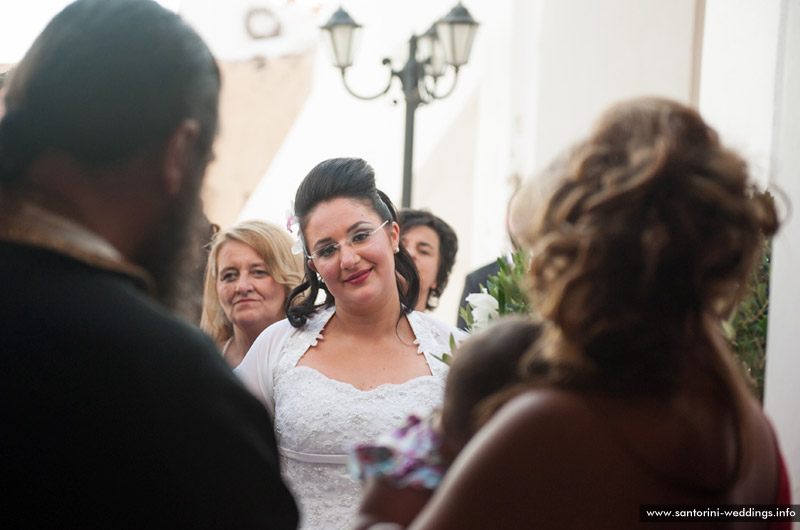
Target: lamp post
<point x="448" y="42"/>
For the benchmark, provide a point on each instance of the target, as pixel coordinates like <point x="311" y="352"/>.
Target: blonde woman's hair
<point x="273" y="244"/>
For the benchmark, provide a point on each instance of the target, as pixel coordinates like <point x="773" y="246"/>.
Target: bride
<point x="344" y="371"/>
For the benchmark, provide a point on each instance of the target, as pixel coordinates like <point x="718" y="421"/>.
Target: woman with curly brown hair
<point x="631" y="397"/>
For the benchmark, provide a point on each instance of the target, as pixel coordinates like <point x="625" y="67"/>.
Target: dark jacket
<point x="116" y="414"/>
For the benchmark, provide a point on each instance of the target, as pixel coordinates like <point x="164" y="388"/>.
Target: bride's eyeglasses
<point x="355" y="241"/>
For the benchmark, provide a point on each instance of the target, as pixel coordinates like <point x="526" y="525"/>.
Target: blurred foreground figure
<point x="115" y="413"/>
<point x="645" y="243"/>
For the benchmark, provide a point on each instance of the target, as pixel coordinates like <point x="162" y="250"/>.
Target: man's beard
<point x="171" y="254"/>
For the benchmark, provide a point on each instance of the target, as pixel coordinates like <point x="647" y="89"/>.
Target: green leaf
<point x="746" y="329"/>
<point x="504" y="268"/>
<point x="466" y="316"/>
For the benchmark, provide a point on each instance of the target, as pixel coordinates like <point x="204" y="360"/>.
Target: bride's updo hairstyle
<point x="651" y="232"/>
<point x="354" y="179"/>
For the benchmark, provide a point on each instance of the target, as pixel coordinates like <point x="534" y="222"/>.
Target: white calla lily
<point x="484" y="308"/>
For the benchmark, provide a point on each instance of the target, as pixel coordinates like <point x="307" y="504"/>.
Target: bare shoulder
<point x="543" y="429"/>
<point x="543" y="414"/>
<point x="554" y="458"/>
<point x="546" y="404"/>
<point x="539" y="453"/>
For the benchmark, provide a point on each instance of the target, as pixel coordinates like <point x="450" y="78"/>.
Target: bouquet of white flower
<point x="503" y="294"/>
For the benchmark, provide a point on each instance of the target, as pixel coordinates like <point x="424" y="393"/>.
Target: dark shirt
<point x="117" y="414"/>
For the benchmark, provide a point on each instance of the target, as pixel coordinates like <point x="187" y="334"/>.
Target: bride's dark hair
<point x="349" y="178"/>
<point x="651" y="232"/>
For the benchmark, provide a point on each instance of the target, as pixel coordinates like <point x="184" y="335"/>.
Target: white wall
<point x="783" y="362"/>
<point x="547" y="69"/>
<point x="749" y="86"/>
<point x="223" y="26"/>
<point x="596" y="53"/>
<point x="737" y="87"/>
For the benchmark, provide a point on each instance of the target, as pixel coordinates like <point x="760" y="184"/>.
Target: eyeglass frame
<point x="348" y="240"/>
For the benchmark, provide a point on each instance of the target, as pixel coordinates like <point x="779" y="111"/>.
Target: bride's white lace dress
<point x="318" y="420"/>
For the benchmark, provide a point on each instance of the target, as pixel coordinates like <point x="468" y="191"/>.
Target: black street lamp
<point x="447" y="43"/>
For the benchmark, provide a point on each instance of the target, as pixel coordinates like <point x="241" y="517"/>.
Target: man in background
<point x="116" y="413"/>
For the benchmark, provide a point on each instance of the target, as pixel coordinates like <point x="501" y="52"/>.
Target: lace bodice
<point x="319" y="420"/>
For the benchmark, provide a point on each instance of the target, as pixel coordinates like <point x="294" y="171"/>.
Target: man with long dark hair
<point x="116" y="413"/>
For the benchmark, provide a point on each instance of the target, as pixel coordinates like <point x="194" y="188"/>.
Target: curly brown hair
<point x="652" y="228"/>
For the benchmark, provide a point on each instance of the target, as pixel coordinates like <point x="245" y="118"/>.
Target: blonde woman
<point x="249" y="274"/>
